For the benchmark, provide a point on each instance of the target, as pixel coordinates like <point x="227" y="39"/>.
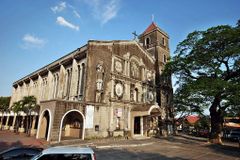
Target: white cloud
<point x="104" y="10"/>
<point x="110" y="11"/>
<point x="61" y="21"/>
<point x="31" y="41"/>
<point x="76" y="14"/>
<point x="59" y="7"/>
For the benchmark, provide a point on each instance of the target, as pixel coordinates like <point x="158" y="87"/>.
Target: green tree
<point x="29" y="104"/>
<point x="4" y="102"/>
<point x="4" y="106"/>
<point x="207" y="68"/>
<point x="17" y="107"/>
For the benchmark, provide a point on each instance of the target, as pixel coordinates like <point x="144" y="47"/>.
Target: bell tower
<point x="153" y="38"/>
<point x="156" y="42"/>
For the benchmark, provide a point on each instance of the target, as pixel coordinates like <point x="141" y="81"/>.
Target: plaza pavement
<point x="180" y="147"/>
<point x="10" y="139"/>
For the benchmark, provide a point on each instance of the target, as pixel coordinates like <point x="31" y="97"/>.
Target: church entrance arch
<point x="44" y="125"/>
<point x="72" y="125"/>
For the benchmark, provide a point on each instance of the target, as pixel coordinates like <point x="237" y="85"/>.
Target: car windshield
<point x="63" y="157"/>
<point x="36" y="156"/>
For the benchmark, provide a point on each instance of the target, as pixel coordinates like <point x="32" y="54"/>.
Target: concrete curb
<point x="124" y="145"/>
<point x="112" y="146"/>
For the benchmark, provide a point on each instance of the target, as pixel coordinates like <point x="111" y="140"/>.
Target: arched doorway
<point x="72" y="125"/>
<point x="145" y="120"/>
<point x="43" y="131"/>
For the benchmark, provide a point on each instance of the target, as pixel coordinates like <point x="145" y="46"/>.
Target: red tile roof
<point x="151" y="27"/>
<point x="192" y="119"/>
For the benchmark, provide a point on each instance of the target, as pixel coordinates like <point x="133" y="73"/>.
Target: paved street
<point x="179" y="147"/>
<point x="9" y="139"/>
<point x="169" y="149"/>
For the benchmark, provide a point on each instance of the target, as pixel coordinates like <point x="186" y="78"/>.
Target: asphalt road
<point x="169" y="149"/>
<point x="178" y="147"/>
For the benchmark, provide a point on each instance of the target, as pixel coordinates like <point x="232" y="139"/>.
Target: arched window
<point x="135" y="95"/>
<point x="147" y="42"/>
<point x="79" y="80"/>
<point x="69" y="78"/>
<point x="56" y="83"/>
<point x="82" y="79"/>
<point x="164" y="58"/>
<point x="163" y="41"/>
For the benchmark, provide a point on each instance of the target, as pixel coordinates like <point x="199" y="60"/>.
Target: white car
<point x="66" y="153"/>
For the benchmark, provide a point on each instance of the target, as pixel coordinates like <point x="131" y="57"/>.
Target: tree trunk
<point x="17" y="124"/>
<point x="216" y="122"/>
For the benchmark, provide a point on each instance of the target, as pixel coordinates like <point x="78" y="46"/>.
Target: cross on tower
<point x="152" y="17"/>
<point x="135" y="35"/>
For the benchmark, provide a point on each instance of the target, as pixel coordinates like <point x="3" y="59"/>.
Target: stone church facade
<point x="104" y="88"/>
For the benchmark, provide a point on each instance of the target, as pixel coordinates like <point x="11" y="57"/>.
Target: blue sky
<point x="35" y="33"/>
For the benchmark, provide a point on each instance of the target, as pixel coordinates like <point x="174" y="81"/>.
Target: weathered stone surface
<point x="111" y="76"/>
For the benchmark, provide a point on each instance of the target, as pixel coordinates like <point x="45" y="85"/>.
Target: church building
<point x="102" y="89"/>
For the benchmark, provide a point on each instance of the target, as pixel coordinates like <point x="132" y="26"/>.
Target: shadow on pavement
<point x="180" y="139"/>
<point x="123" y="154"/>
<point x="10" y="139"/>
<point x="199" y="139"/>
<point x="7" y="145"/>
<point x="223" y="149"/>
<point x="227" y="150"/>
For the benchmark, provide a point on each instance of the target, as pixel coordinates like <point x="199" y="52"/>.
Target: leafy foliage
<point x="29" y="103"/>
<point x="4" y="103"/>
<point x="26" y="104"/>
<point x="17" y="106"/>
<point x="207" y="67"/>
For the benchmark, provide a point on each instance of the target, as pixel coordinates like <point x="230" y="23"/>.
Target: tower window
<point x="147" y="42"/>
<point x="163" y="41"/>
<point x="164" y="58"/>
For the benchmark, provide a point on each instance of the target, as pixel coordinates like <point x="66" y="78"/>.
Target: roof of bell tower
<point x="153" y="26"/>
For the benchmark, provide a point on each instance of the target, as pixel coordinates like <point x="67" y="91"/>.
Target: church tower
<point x="156" y="42"/>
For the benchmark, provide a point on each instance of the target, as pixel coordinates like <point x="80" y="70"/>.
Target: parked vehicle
<point x="19" y="153"/>
<point x="203" y="133"/>
<point x="66" y="153"/>
<point x="234" y="134"/>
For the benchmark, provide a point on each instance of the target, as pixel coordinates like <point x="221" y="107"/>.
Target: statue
<point x="100" y="74"/>
<point x="99" y="81"/>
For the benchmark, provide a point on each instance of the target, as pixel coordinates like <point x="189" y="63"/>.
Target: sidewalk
<point x="202" y="139"/>
<point x="106" y="143"/>
<point x="10" y="139"/>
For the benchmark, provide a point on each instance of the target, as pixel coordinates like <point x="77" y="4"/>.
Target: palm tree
<point x="29" y="104"/>
<point x="17" y="107"/>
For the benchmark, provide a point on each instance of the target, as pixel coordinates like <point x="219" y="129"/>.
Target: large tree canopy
<point x="207" y="68"/>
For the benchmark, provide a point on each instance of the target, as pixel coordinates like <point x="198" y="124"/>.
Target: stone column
<point x="33" y="130"/>
<point x="13" y="123"/>
<point x="22" y="129"/>
<point x="6" y="127"/>
<point x="1" y="123"/>
<point x="141" y="125"/>
<point x="129" y="118"/>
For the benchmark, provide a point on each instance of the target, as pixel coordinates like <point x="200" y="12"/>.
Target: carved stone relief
<point x="134" y="70"/>
<point x="118" y="66"/>
<point x="119" y="89"/>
